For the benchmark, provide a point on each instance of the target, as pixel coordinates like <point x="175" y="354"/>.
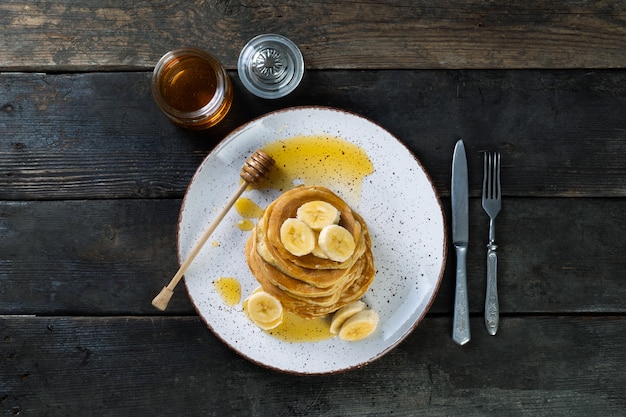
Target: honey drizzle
<point x="247" y="209"/>
<point x="296" y="329"/>
<point x="319" y="160"/>
<point x="229" y="289"/>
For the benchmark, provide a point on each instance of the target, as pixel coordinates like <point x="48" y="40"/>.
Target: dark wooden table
<point x="92" y="176"/>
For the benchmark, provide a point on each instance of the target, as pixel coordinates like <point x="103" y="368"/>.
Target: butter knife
<point x="460" y="240"/>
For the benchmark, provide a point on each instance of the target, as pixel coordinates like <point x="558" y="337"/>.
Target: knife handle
<point x="461" y="324"/>
<point x="492" y="309"/>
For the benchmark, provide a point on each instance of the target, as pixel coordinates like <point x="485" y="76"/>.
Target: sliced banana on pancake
<point x="336" y="242"/>
<point x="359" y="326"/>
<point x="297" y="237"/>
<point x="317" y="251"/>
<point x="318" y="214"/>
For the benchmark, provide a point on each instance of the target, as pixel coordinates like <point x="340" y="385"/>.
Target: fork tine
<point x="497" y="177"/>
<point x="491" y="178"/>
<point x="491" y="182"/>
<point x="485" y="173"/>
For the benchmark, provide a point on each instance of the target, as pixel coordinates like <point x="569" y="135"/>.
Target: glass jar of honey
<point x="192" y="88"/>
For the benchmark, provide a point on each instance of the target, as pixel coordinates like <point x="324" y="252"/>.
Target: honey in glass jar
<point x="192" y="88"/>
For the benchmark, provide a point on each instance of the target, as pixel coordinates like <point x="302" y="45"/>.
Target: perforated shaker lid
<point x="270" y="66"/>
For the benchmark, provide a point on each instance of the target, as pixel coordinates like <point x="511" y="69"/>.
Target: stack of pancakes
<point x="308" y="285"/>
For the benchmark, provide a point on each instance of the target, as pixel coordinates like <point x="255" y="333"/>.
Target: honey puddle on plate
<point x="229" y="289"/>
<point x="319" y="160"/>
<point x="248" y="210"/>
<point x="296" y="329"/>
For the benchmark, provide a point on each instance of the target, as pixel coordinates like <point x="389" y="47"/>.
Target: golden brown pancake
<point x="286" y="207"/>
<point x="317" y="277"/>
<point x="308" y="285"/>
<point x="281" y="280"/>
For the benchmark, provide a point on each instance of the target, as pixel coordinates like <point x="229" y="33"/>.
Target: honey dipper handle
<point x="163" y="298"/>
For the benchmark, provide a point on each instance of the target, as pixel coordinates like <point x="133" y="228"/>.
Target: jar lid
<point x="270" y="66"/>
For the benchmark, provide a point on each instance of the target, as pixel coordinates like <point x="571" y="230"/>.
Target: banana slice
<point x="317" y="251"/>
<point x="336" y="242"/>
<point x="271" y="325"/>
<point x="344" y="313"/>
<point x="265" y="310"/>
<point x="318" y="214"/>
<point x="359" y="326"/>
<point x="297" y="237"/>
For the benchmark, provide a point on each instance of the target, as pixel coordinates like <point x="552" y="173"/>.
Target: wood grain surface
<point x="64" y="35"/>
<point x="554" y="256"/>
<point x="92" y="177"/>
<point x="112" y="366"/>
<point x="100" y="135"/>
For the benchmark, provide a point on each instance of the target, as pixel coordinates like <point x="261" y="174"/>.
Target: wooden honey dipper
<point x="254" y="171"/>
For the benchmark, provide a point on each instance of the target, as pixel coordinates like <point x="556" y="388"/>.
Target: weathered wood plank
<point x="108" y="257"/>
<point x="59" y="366"/>
<point x="113" y="34"/>
<point x="87" y="256"/>
<point x="100" y="135"/>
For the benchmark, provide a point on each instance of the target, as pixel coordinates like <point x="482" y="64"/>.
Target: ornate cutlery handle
<point x="492" y="309"/>
<point x="461" y="325"/>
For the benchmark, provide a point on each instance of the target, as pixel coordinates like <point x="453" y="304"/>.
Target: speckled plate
<point x="398" y="201"/>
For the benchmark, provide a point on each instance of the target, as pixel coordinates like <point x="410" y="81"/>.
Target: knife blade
<point x="460" y="240"/>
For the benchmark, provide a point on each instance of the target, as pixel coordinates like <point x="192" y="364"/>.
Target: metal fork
<point x="492" y="202"/>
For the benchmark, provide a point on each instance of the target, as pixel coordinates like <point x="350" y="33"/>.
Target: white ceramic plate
<point x="398" y="201"/>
